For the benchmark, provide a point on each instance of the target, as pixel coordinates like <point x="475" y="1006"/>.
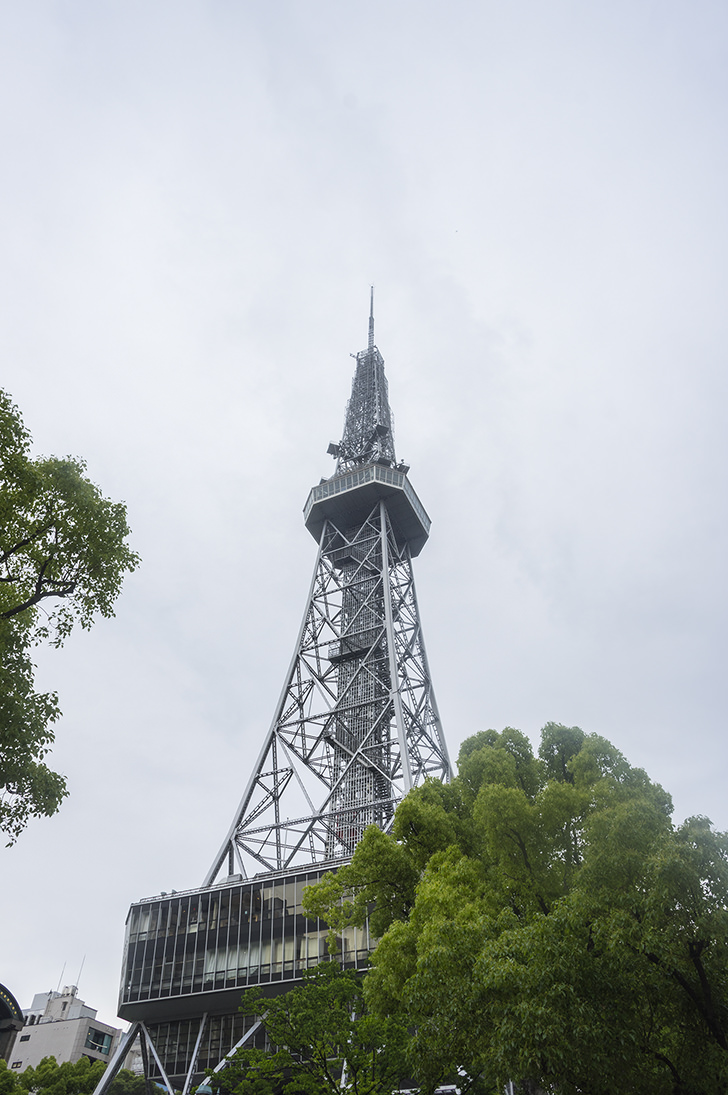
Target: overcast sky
<point x="194" y="200"/>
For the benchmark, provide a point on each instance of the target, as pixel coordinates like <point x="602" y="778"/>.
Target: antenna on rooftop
<point x="58" y="986"/>
<point x="78" y="979"/>
<point x="371" y="319"/>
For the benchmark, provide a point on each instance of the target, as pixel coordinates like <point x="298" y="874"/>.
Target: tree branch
<point x="34" y="600"/>
<point x="26" y="542"/>
<point x="705" y="1007"/>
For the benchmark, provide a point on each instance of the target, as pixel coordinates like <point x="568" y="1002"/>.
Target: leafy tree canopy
<point x="50" y="1078"/>
<point x="324" y="1041"/>
<point x="63" y="557"/>
<point x="127" y="1082"/>
<point x="542" y="918"/>
<point x="79" y="1078"/>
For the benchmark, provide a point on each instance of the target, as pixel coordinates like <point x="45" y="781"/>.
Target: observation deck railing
<point x="370" y="473"/>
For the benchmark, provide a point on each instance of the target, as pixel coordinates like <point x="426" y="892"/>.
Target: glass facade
<point x="226" y="937"/>
<point x="175" y="1042"/>
<point x="193" y="953"/>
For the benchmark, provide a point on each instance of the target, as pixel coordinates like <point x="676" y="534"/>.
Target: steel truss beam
<point x="357" y="724"/>
<point x="139" y="1031"/>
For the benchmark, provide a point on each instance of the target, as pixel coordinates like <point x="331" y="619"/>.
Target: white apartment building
<point x="61" y="1025"/>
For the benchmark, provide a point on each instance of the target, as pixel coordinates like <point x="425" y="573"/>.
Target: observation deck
<point x="347" y="500"/>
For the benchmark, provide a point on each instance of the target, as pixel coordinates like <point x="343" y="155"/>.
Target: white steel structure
<point x="355" y="728"/>
<point x="356" y="725"/>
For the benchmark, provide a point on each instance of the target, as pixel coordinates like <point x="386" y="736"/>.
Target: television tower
<point x="356" y="725"/>
<point x="355" y="728"/>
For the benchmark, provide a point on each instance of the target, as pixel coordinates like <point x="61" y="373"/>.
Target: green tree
<point x="127" y="1082"/>
<point x="50" y="1078"/>
<point x="323" y="1040"/>
<point x="8" y="1080"/>
<point x="27" y="786"/>
<point x="560" y="928"/>
<point x="79" y="1078"/>
<point x="63" y="557"/>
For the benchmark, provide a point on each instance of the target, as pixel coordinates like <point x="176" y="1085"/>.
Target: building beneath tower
<point x="355" y="728"/>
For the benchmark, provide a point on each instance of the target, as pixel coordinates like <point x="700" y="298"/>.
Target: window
<point x="98" y="1040"/>
<point x="24" y="1037"/>
<point x="17" y="1064"/>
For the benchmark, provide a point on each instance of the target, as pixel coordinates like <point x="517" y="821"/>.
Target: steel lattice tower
<point x="355" y="728"/>
<point x="356" y="725"/>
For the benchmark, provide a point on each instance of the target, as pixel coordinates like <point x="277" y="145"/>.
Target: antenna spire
<point x="371" y="319"/>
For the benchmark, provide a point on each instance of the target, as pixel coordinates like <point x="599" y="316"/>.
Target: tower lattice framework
<point x="356" y="725"/>
<point x="355" y="728"/>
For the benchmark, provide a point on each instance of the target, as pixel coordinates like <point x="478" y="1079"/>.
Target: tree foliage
<point x="28" y="787"/>
<point x="50" y="1078"/>
<point x="63" y="557"/>
<point x="548" y="922"/>
<point x="127" y="1082"/>
<point x="323" y="1040"/>
<point x="77" y="1078"/>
